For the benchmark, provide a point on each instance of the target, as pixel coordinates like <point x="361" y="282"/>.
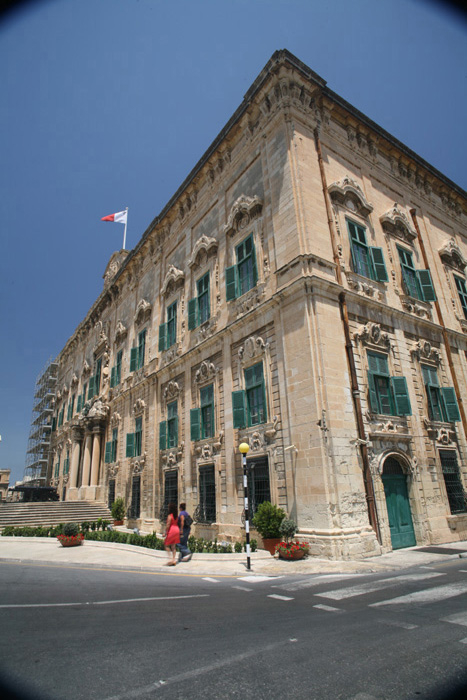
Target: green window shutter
<point x="253" y="260"/>
<point x="162" y="337"/>
<point x="91" y="388"/>
<point x="68" y="413"/>
<point x="78" y="405"/>
<point x="175" y="424"/>
<point x="163" y="435"/>
<point x="113" y="377"/>
<point x="54" y="424"/>
<point x="450" y="403"/>
<point x="108" y="452"/>
<point x="130" y="444"/>
<point x="374" y="406"/>
<point x="401" y="396"/>
<point x="195" y="416"/>
<point x="239" y="412"/>
<point x="192" y="315"/>
<point x="377" y="258"/>
<point x="426" y="285"/>
<point x="231" y="282"/>
<point x="133" y="359"/>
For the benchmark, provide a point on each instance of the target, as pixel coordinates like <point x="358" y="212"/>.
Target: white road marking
<point x="457" y="619"/>
<point x="279" y="597"/>
<point x="102" y="602"/>
<point x="329" y="608"/>
<point x="258" y="579"/>
<point x="243" y="588"/>
<point x="396" y="623"/>
<point x="371" y="586"/>
<point x="463" y="641"/>
<point x="428" y="595"/>
<point x="316" y="581"/>
<point x="212" y="580"/>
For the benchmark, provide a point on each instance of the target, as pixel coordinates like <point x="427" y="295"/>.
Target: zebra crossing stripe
<point x="457" y="619"/>
<point x="428" y="595"/>
<point x="279" y="597"/>
<point x="329" y="608"/>
<point x="372" y="586"/>
<point x="212" y="580"/>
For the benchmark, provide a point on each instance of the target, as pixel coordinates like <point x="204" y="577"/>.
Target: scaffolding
<point x="38" y="452"/>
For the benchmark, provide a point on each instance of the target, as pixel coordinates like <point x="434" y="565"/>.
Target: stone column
<point x="77" y="435"/>
<point x="87" y="459"/>
<point x="96" y="454"/>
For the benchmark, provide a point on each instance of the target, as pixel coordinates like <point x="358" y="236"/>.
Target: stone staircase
<point x="52" y="513"/>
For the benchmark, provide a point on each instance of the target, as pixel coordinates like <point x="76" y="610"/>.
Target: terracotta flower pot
<point x="269" y="544"/>
<point x="299" y="554"/>
<point x="118" y="522"/>
<point x="70" y="540"/>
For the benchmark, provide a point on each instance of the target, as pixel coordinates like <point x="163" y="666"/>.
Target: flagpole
<point x="124" y="231"/>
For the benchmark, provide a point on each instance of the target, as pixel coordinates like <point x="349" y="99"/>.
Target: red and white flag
<point x="120" y="217"/>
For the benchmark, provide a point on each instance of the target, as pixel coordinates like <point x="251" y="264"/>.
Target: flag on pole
<point x="120" y="217"/>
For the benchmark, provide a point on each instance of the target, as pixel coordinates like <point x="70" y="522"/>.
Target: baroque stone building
<point x="304" y="291"/>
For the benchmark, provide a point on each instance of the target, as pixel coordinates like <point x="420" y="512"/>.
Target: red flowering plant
<point x="288" y="549"/>
<point x="71" y="536"/>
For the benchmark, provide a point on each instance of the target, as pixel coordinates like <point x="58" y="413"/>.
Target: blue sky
<point x="110" y="103"/>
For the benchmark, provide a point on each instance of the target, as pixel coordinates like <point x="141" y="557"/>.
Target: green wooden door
<point x="400" y="517"/>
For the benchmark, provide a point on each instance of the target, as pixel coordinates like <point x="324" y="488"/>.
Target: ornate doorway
<point x="398" y="505"/>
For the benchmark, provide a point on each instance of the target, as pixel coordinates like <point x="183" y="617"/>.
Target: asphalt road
<point x="90" y="634"/>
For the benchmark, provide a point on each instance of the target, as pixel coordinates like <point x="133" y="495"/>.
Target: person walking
<point x="184" y="523"/>
<point x="172" y="534"/>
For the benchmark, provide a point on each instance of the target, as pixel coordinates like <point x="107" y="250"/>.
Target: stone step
<point x="23" y="514"/>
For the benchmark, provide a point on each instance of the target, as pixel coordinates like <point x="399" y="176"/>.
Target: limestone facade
<point x="281" y="298"/>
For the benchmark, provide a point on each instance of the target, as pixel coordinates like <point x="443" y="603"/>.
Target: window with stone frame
<point x="457" y="496"/>
<point x="168" y="429"/>
<point x="135" y="504"/>
<point x="111" y="493"/>
<point x="367" y="261"/>
<point x="416" y="283"/>
<point x="138" y="352"/>
<point x="242" y="276"/>
<point x="116" y="371"/>
<point x="388" y="395"/>
<point x="199" y="307"/>
<point x="249" y="404"/>
<point x="168" y="330"/>
<point x="202" y="418"/>
<point x="134" y="441"/>
<point x="111" y="448"/>
<point x="95" y="381"/>
<point x="461" y="287"/>
<point x="206" y="510"/>
<point x="442" y="401"/>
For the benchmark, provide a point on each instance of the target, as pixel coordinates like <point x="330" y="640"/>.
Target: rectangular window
<point x="170" y="493"/>
<point x="367" y="261"/>
<point x="462" y="291"/>
<point x="452" y="480"/>
<point x="97" y="377"/>
<point x="388" y="395"/>
<point x="111" y="497"/>
<point x="202" y="419"/>
<point x="243" y="276"/>
<point x="172" y="424"/>
<point x="111" y="448"/>
<point x="199" y="308"/>
<point x="138" y="436"/>
<point x="60" y="417"/>
<point x="172" y="324"/>
<point x="71" y="405"/>
<point x="259" y="489"/>
<point x="135" y="497"/>
<point x="417" y="283"/>
<point x="66" y="463"/>
<point x="206" y="512"/>
<point x="57" y="468"/>
<point x="255" y="395"/>
<point x="137" y="353"/>
<point x="116" y="372"/>
<point x="442" y="401"/>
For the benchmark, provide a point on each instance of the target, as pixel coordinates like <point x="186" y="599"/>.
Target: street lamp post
<point x="244" y="447"/>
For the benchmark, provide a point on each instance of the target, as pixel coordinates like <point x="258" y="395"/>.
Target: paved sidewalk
<point x="111" y="555"/>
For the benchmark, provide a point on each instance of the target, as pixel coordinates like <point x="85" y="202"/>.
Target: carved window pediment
<point x="371" y="334"/>
<point x="171" y="391"/>
<point x="451" y="254"/>
<point x="349" y="194"/>
<point x="204" y="244"/>
<point x="173" y="279"/>
<point x="120" y="333"/>
<point x="253" y="348"/>
<point x="242" y="213"/>
<point x="139" y="406"/>
<point x="423" y="350"/>
<point x="86" y="368"/>
<point x="207" y="371"/>
<point x="396" y="223"/>
<point x="143" y="312"/>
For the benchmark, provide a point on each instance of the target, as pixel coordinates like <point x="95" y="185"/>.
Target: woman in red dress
<point x="172" y="534"/>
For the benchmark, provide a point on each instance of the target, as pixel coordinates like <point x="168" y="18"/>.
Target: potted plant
<point x="118" y="511"/>
<point x="288" y="549"/>
<point x="267" y="520"/>
<point x="71" y="536"/>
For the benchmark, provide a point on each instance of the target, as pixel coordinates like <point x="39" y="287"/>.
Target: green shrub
<point x="287" y="529"/>
<point x="118" y="509"/>
<point x="85" y="526"/>
<point x="71" y="529"/>
<point x="238" y="547"/>
<point x="267" y="520"/>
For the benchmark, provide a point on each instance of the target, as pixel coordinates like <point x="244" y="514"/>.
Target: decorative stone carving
<point x="120" y="333"/>
<point x="138" y="407"/>
<point x="208" y="245"/>
<point x="171" y="391"/>
<point x="98" y="410"/>
<point x="396" y="223"/>
<point x="206" y="371"/>
<point x="113" y="469"/>
<point x="137" y="465"/>
<point x="413" y="307"/>
<point x="422" y="350"/>
<point x="271" y="432"/>
<point x="143" y="312"/>
<point x="249" y="301"/>
<point x="361" y="287"/>
<point x="173" y="279"/>
<point x="243" y="211"/>
<point x="385" y="429"/>
<point x="113" y="266"/>
<point x="371" y="333"/>
<point x="115" y="420"/>
<point x="86" y="369"/>
<point x="349" y="194"/>
<point x="439" y="432"/>
<point x="102" y="341"/>
<point x="64" y="390"/>
<point x="254" y="347"/>
<point x="74" y="380"/>
<point x="451" y="254"/>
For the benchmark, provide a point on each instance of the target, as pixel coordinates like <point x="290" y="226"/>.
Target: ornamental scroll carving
<point x="171" y="391"/>
<point x="204" y="244"/>
<point x="138" y="407"/>
<point x="173" y="279"/>
<point x="396" y="223"/>
<point x="206" y="371"/>
<point x="254" y="346"/>
<point x="143" y="312"/>
<point x="115" y="420"/>
<point x="243" y="211"/>
<point x="348" y="193"/>
<point x="120" y="333"/>
<point x="422" y="350"/>
<point x="86" y="369"/>
<point x="451" y="254"/>
<point x="371" y="333"/>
